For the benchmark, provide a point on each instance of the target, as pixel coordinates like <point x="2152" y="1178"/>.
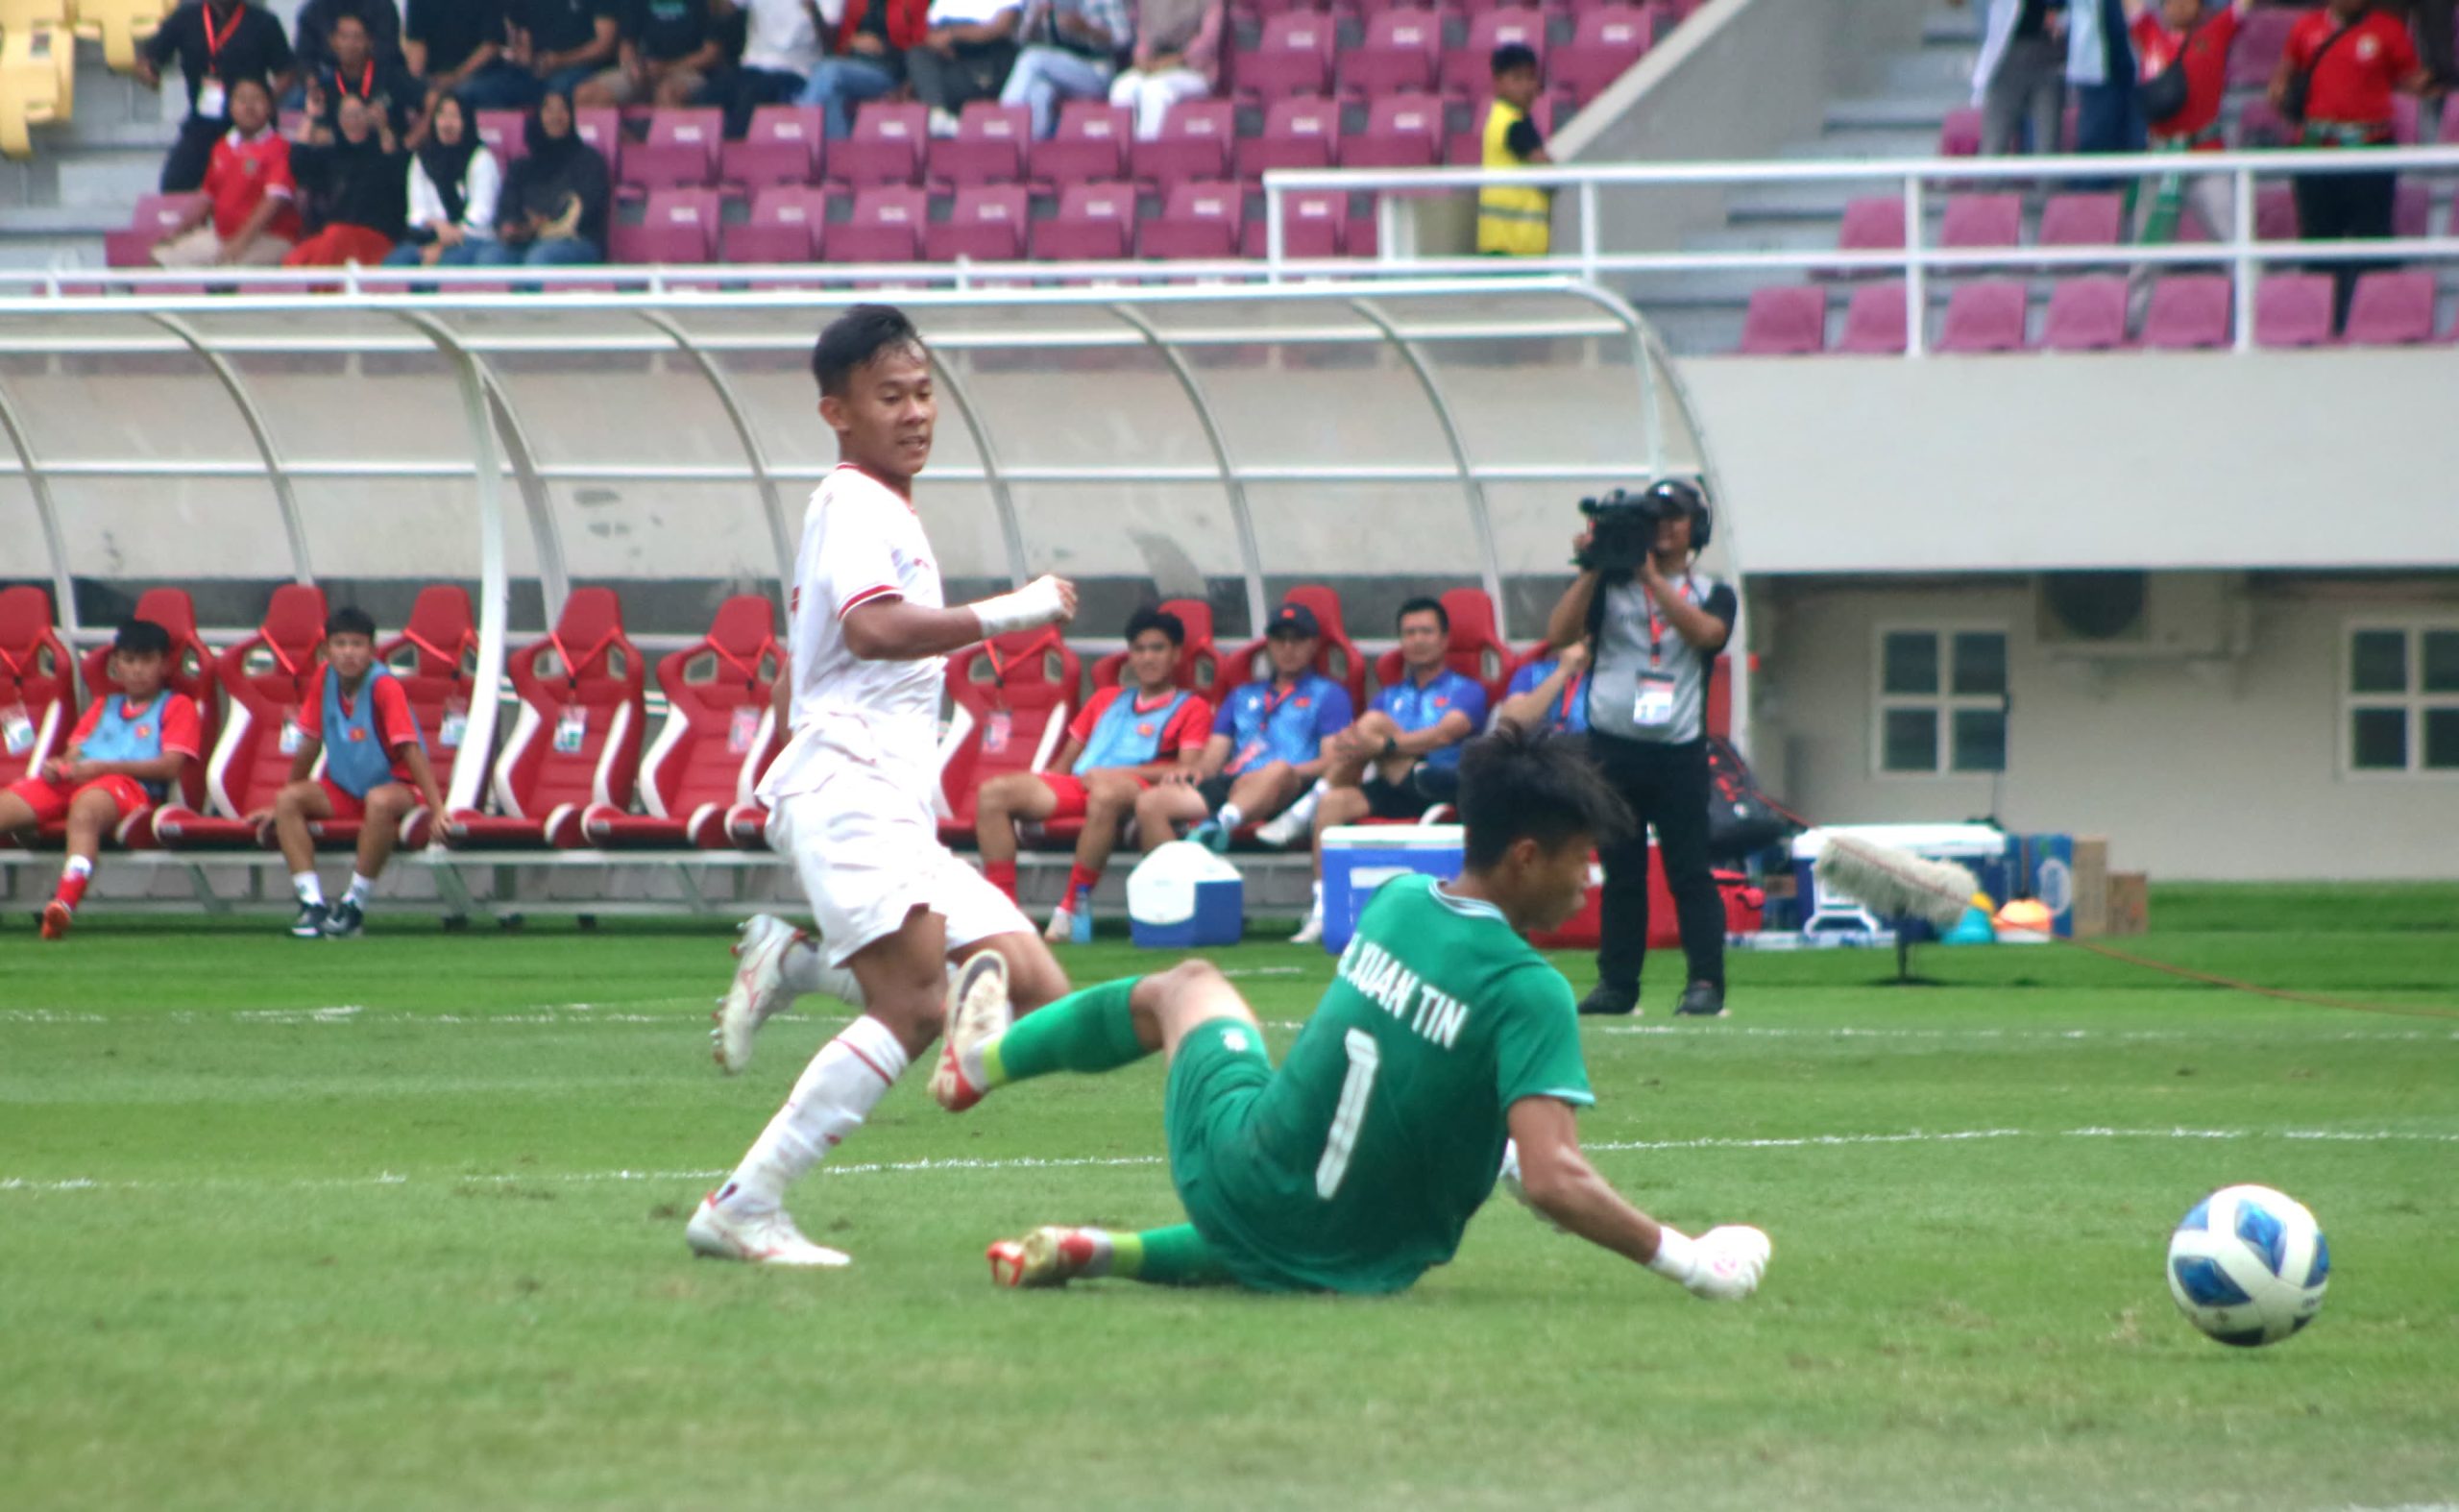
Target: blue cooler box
<point x="1359" y="858"/>
<point x="1182" y="896"/>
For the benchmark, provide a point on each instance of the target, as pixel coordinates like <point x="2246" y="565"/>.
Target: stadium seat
<point x="1960" y="135"/>
<point x="1093" y="224"/>
<point x="717" y="692"/>
<point x="1402" y="131"/>
<point x="1194" y="145"/>
<point x="2085" y="314"/>
<point x="2274" y="213"/>
<point x="1874" y="224"/>
<point x="1468" y="70"/>
<point x="1298" y="132"/>
<point x="157" y="216"/>
<point x="2451" y="119"/>
<point x="266" y="676"/>
<point x="38" y="683"/>
<point x="1293" y="57"/>
<point x="785" y="226"/>
<point x="1785" y="322"/>
<point x="886" y="147"/>
<point x="1477" y="649"/>
<point x="988" y="146"/>
<point x="1013" y="698"/>
<point x="681" y="149"/>
<point x="2259" y="125"/>
<point x="2188" y="312"/>
<point x="1336" y="657"/>
<point x="1874" y="320"/>
<point x="601" y="126"/>
<point x="576" y="741"/>
<point x="501" y="131"/>
<point x="193" y="672"/>
<point x="782" y="145"/>
<point x="2403" y="121"/>
<point x="1982" y="220"/>
<point x="987" y="224"/>
<point x="1314" y="223"/>
<point x="2411" y="209"/>
<point x="1088" y="146"/>
<point x="2293" y="309"/>
<point x="37" y="83"/>
<point x="1201" y="220"/>
<point x="1605" y="42"/>
<point x="435" y="660"/>
<point x="1401" y="54"/>
<point x="887" y="225"/>
<point x="1199" y="659"/>
<point x="2392" y="308"/>
<point x="679" y="227"/>
<point x="1986" y="317"/>
<point x="2262" y="35"/>
<point x="2084" y="220"/>
<point x="120" y="26"/>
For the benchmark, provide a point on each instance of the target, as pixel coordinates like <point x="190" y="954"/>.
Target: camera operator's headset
<point x="1685" y="496"/>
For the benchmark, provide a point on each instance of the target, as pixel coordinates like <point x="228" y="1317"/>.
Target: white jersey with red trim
<point x="860" y="542"/>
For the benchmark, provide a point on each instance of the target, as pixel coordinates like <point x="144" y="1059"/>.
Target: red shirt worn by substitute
<point x="182" y="731"/>
<point x="2207" y="47"/>
<point x="2355" y="81"/>
<point x="1188" y="730"/>
<point x="395" y="724"/>
<point x="243" y="171"/>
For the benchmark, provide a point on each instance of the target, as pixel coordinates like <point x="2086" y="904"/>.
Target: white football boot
<point x="755" y="1238"/>
<point x="756" y="994"/>
<point x="977" y="1012"/>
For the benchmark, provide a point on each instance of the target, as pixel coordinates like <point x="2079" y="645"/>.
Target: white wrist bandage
<point x="1676" y="1257"/>
<point x="1030" y="607"/>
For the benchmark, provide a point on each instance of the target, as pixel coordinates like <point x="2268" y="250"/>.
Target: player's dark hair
<point x="142" y="638"/>
<point x="856" y="337"/>
<point x="1529" y="783"/>
<point x="1512" y="56"/>
<point x="351" y="619"/>
<point x="1425" y="605"/>
<point x="1161" y="620"/>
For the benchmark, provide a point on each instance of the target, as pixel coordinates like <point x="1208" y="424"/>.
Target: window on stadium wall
<point x="2401" y="699"/>
<point x="1941" y="701"/>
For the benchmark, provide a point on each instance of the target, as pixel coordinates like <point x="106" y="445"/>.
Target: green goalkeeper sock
<point x="1173" y="1256"/>
<point x="1090" y="1031"/>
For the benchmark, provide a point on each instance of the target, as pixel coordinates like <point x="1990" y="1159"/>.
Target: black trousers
<point x="1665" y="786"/>
<point x="184" y="169"/>
<point x="977" y="71"/>
<point x="2331" y="207"/>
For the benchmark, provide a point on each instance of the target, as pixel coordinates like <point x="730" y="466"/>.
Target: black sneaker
<point x="1701" y="1000"/>
<point x="346" y="919"/>
<point x="1607" y="998"/>
<point x="310" y="923"/>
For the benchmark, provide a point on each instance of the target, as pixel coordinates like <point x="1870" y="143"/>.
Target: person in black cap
<point x="1270" y="742"/>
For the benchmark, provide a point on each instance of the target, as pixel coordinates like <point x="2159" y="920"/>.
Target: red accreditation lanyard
<point x="1656" y="629"/>
<point x="366" y="81"/>
<point x="213" y="44"/>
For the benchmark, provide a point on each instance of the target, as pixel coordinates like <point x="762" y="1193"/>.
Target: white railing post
<point x="2241" y="237"/>
<point x="1274" y="228"/>
<point x="1916" y="283"/>
<point x="1589" y="236"/>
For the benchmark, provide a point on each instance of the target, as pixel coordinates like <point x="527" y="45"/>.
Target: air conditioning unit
<point x="2128" y="615"/>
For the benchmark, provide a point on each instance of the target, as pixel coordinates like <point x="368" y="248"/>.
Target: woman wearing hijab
<point x="554" y="206"/>
<point x="454" y="184"/>
<point x="353" y="187"/>
<point x="1177" y="57"/>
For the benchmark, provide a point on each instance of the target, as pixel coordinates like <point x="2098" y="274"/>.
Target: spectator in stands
<point x="1514" y="222"/>
<point x="354" y="71"/>
<point x="217" y="42"/>
<point x="667" y="52"/>
<point x="2100" y="68"/>
<point x="318" y="49"/>
<point x="1402" y="757"/>
<point x="965" y="56"/>
<point x="457" y="47"/>
<point x="1270" y="742"/>
<point x="122" y="759"/>
<point x="1549" y="692"/>
<point x="1071" y="51"/>
<point x="2432" y="22"/>
<point x="553" y="211"/>
<point x="1177" y="57"/>
<point x="2334" y="83"/>
<point x="866" y="56"/>
<point x="780" y="48"/>
<point x="2179" y="53"/>
<point x="2019" y="82"/>
<point x="453" y="184"/>
<point x="250" y="216"/>
<point x="375" y="773"/>
<point x="354" y="185"/>
<point x="562" y="43"/>
<point x="1147" y="729"/>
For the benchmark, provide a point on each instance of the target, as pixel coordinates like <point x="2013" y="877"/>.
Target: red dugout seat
<point x="717" y="692"/>
<point x="1476" y="651"/>
<point x="1199" y="659"/>
<point x="435" y="659"/>
<point x="37" y="684"/>
<point x="266" y="675"/>
<point x="1013" y="698"/>
<point x="1336" y="655"/>
<point x="577" y="739"/>
<point x="192" y="673"/>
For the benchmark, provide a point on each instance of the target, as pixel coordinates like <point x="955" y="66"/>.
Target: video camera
<point x="1626" y="524"/>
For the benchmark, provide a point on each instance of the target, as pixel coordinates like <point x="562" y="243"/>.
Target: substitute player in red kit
<point x="851" y="800"/>
<point x="122" y="759"/>
<point x="357" y="715"/>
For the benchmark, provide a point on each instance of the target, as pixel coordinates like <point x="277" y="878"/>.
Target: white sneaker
<point x="756" y="1238"/>
<point x="942" y="122"/>
<point x="1290" y="825"/>
<point x="756" y="994"/>
<point x="1062" y="927"/>
<point x="978" y="1010"/>
<point x="1311" y="931"/>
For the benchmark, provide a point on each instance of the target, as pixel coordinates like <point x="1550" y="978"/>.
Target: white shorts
<point x="868" y="855"/>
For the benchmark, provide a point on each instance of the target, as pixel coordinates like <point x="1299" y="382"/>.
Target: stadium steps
<point x="84" y="175"/>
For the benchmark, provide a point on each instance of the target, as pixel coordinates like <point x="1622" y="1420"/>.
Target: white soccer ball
<point x="2249" y="1265"/>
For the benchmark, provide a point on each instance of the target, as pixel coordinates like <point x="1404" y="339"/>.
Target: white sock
<point x="78" y="866"/>
<point x="806" y="970"/>
<point x="1317" y="912"/>
<point x="1230" y="817"/>
<point x="361" y="889"/>
<point x="842" y="1082"/>
<point x="310" y="891"/>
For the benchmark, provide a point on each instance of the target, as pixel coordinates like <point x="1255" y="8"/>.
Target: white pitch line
<point x="38" y="1186"/>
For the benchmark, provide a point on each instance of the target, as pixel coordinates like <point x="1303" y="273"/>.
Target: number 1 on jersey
<point x="1355" y="1089"/>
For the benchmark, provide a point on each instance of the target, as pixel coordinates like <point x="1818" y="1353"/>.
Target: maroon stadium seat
<point x="37" y="681"/>
<point x="1785" y="322"/>
<point x="1982" y="220"/>
<point x="1293" y="57"/>
<point x="2392" y="308"/>
<point x="1986" y="317"/>
<point x="577" y="738"/>
<point x="2085" y="314"/>
<point x="1402" y="53"/>
<point x="679" y="227"/>
<point x="987" y="224"/>
<point x="1199" y="659"/>
<point x="2084" y="220"/>
<point x="1093" y="225"/>
<point x="887" y="225"/>
<point x="2189" y="311"/>
<point x="785" y="226"/>
<point x="1402" y="131"/>
<point x="1960" y="135"/>
<point x="1194" y="144"/>
<point x="717" y="692"/>
<point x="2293" y="309"/>
<point x="1874" y="224"/>
<point x="1200" y="220"/>
<point x="1314" y="223"/>
<point x="501" y="131"/>
<point x="1874" y="320"/>
<point x="2259" y="125"/>
<point x="988" y="146"/>
<point x="155" y="216"/>
<point x="1468" y="70"/>
<point x="1605" y="42"/>
<point x="783" y="145"/>
<point x="601" y="126"/>
<point x="681" y="149"/>
<point x="886" y="148"/>
<point x="2274" y="213"/>
<point x="1298" y="132"/>
<point x="1088" y="146"/>
<point x="267" y="676"/>
<point x="2261" y="38"/>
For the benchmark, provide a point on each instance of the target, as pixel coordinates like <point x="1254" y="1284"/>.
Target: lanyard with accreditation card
<point x="1655" y="706"/>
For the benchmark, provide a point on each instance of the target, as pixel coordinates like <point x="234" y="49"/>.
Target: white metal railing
<point x="1916" y="178"/>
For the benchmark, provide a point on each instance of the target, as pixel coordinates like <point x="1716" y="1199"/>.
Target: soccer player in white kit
<point x="850" y="798"/>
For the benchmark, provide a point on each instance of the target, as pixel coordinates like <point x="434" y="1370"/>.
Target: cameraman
<point x="1653" y="634"/>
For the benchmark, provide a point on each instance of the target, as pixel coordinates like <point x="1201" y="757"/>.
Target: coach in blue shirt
<point x="1270" y="742"/>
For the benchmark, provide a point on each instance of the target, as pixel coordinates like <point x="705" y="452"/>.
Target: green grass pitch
<point x="398" y="1223"/>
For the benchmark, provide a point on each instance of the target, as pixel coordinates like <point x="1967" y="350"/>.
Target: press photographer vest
<point x="1624" y="658"/>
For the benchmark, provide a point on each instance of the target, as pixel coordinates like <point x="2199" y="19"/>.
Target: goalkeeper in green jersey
<point x="1444" y="1043"/>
